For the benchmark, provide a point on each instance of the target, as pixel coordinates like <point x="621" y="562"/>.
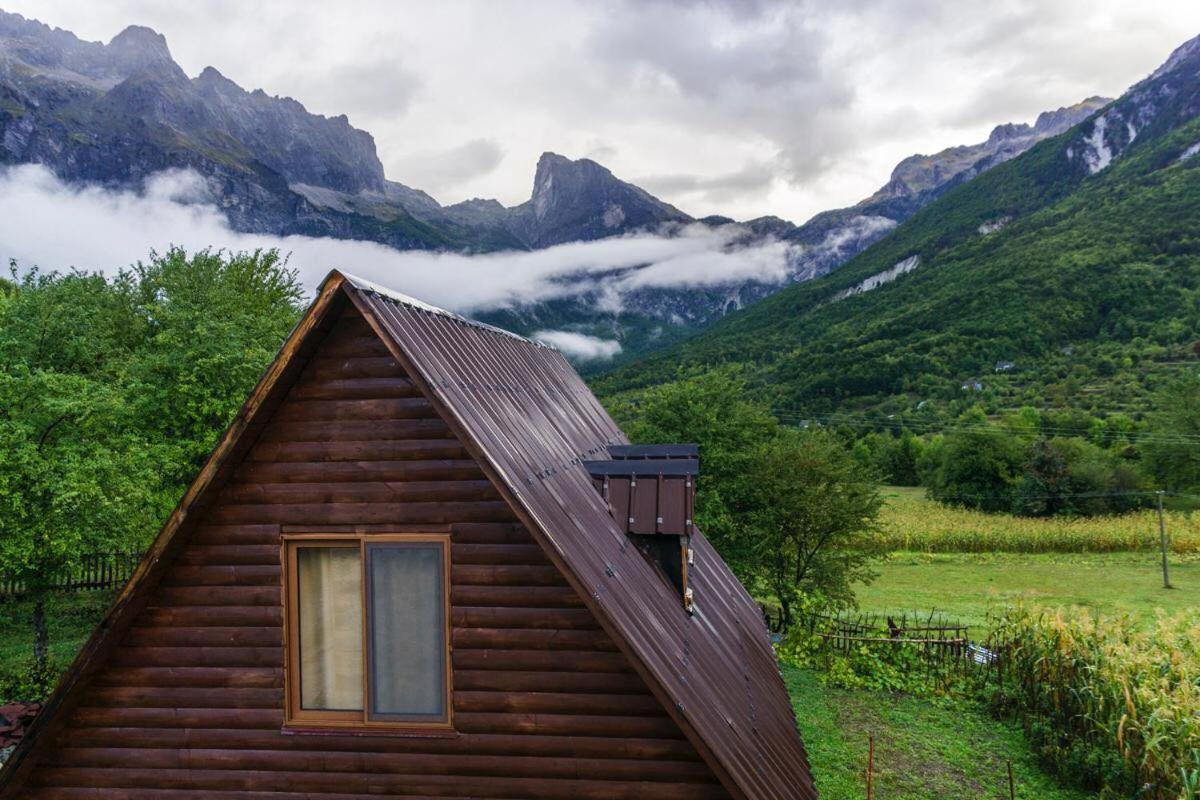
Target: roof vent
<point x="651" y="493"/>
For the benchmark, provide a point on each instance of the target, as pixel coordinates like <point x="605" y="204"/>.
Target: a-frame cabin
<point x="397" y="576"/>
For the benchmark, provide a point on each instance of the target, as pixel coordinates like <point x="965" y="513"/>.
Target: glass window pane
<point x="406" y="623"/>
<point x="329" y="583"/>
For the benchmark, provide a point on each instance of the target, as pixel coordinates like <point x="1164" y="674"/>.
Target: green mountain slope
<point x="1067" y="276"/>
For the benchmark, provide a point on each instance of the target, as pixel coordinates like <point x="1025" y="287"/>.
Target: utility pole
<point x="1162" y="539"/>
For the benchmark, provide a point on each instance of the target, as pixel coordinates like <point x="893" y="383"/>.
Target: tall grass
<point x="1109" y="704"/>
<point x="913" y="523"/>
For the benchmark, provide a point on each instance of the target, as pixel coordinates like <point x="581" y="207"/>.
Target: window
<point x="367" y="642"/>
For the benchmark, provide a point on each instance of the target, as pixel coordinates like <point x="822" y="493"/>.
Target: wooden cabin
<point x="423" y="562"/>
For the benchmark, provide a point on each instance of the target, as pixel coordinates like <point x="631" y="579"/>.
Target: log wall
<point x="191" y="702"/>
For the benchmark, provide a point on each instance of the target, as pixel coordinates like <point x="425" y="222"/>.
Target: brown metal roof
<point x="533" y="422"/>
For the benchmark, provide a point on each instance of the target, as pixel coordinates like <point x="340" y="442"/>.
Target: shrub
<point x="28" y="681"/>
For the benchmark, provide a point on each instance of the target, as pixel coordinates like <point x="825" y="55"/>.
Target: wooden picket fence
<point x="94" y="571"/>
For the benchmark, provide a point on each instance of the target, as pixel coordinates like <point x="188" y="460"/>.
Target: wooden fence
<point x="94" y="571"/>
<point x="941" y="649"/>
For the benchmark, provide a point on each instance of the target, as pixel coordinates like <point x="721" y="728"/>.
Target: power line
<point x="918" y="426"/>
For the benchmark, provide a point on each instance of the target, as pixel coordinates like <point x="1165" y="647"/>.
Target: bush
<point x="28" y="681"/>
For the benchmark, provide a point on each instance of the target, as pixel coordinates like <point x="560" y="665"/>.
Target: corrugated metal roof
<point x="533" y="422"/>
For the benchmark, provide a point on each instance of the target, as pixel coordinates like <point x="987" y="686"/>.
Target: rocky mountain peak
<point x="1186" y="52"/>
<point x="138" y="47"/>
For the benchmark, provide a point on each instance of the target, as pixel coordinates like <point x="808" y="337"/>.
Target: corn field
<point x="1108" y="703"/>
<point x="913" y="523"/>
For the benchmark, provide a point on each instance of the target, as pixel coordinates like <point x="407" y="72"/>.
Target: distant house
<point x="423" y="562"/>
<point x="972" y="386"/>
<point x="1003" y="366"/>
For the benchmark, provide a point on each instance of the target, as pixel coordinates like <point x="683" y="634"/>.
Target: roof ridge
<point x="371" y="287"/>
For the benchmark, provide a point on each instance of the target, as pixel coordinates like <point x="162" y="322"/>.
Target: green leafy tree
<point x="713" y="410"/>
<point x="978" y="466"/>
<point x="213" y="324"/>
<point x="72" y="480"/>
<point x="1172" y="455"/>
<point x="811" y="511"/>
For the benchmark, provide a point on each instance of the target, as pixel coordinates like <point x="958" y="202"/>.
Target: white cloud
<point x="833" y="93"/>
<point x="580" y="346"/>
<point x="110" y="229"/>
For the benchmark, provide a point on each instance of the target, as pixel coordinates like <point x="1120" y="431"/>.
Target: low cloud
<point x="110" y="229"/>
<point x="580" y="346"/>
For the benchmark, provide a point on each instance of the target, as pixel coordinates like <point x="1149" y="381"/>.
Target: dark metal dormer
<point x="651" y="493"/>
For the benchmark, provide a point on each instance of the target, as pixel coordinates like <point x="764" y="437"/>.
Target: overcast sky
<point x="740" y="108"/>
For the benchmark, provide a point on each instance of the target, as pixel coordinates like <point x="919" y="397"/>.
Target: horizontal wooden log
<point x="355" y="389"/>
<point x="397" y="450"/>
<point x="346" y="471"/>
<point x="540" y="660"/>
<point x="565" y="724"/>
<point x="377" y="430"/>
<point x="259" y="718"/>
<point x="499" y="554"/>
<point x="542" y="618"/>
<point x="491" y="533"/>
<point x="224" y="758"/>
<point x="175" y="596"/>
<point x="232" y="657"/>
<point x="249" y="535"/>
<point x="528" y="596"/>
<point x="496" y="680"/>
<point x="217" y="615"/>
<point x="229" y="554"/>
<point x="506" y="575"/>
<point x="193" y="677"/>
<point x="555" y="703"/>
<point x="338" y="785"/>
<point x="187" y="696"/>
<point x="353" y="367"/>
<point x="400" y="408"/>
<point x="205" y="637"/>
<point x="359" y="492"/>
<point x="517" y="639"/>
<point x="674" y="749"/>
<point x="240" y="575"/>
<point x="362" y="513"/>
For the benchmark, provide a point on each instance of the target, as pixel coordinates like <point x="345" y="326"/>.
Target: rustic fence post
<point x="870" y="767"/>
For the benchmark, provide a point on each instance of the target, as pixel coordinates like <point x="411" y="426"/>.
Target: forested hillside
<point x="1068" y="276"/>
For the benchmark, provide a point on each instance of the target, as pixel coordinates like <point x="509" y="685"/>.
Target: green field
<point x="966" y="586"/>
<point x="923" y="749"/>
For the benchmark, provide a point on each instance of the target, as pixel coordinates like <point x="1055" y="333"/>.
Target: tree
<point x="1172" y="455"/>
<point x="713" y="410"/>
<point x="812" y="508"/>
<point x="112" y="392"/>
<point x="72" y="480"/>
<point x="213" y="322"/>
<point x="978" y="465"/>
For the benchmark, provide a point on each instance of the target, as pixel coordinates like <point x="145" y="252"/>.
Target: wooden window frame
<point x="298" y="719"/>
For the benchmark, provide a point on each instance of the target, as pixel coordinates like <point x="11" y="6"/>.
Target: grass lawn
<point x="966" y="585"/>
<point x="924" y="750"/>
<point x="71" y="616"/>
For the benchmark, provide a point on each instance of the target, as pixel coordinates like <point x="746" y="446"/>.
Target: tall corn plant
<point x="1108" y="704"/>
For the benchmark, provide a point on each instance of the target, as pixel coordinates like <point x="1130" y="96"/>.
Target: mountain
<point x="647" y="319"/>
<point x="113" y="114"/>
<point x="1067" y="275"/>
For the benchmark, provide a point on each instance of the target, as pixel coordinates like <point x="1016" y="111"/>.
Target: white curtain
<point x="330" y="600"/>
